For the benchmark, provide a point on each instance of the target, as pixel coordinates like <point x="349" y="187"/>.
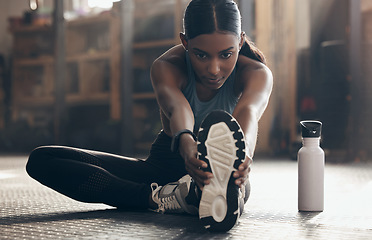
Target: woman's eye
<point x="226" y="55"/>
<point x="201" y="56"/>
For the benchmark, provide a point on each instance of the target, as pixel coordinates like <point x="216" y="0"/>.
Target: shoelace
<point x="166" y="203"/>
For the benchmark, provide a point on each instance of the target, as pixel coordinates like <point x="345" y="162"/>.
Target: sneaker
<point x="171" y="198"/>
<point x="221" y="145"/>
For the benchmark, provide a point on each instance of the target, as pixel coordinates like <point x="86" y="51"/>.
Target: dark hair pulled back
<point x="209" y="16"/>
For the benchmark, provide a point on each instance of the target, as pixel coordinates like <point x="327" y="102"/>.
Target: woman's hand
<point x="242" y="174"/>
<point x="194" y="166"/>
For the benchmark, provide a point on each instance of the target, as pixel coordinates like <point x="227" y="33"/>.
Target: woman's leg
<point x="79" y="175"/>
<point x="97" y="177"/>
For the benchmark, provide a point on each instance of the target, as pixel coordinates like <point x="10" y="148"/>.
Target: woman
<point x="215" y="68"/>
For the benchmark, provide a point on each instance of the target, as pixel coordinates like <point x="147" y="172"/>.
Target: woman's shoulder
<point x="171" y="66"/>
<point x="249" y="71"/>
<point x="248" y="65"/>
<point x="173" y="58"/>
<point x="248" y="68"/>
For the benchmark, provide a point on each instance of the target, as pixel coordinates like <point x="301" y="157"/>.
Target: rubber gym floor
<point x="29" y="210"/>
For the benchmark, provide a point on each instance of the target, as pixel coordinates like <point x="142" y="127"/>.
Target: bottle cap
<point x="311" y="128"/>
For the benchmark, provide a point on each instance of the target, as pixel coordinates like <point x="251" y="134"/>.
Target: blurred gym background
<point x="76" y="72"/>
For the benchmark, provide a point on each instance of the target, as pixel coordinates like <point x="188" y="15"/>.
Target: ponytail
<point x="250" y="50"/>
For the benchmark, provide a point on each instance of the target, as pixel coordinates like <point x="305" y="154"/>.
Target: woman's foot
<point x="221" y="145"/>
<point x="177" y="197"/>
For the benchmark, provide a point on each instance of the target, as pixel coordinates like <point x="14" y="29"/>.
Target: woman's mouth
<point x="214" y="80"/>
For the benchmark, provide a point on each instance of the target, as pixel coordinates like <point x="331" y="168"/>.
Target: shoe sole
<point x="221" y="145"/>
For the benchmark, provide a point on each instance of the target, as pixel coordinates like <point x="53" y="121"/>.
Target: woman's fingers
<point x="198" y="163"/>
<point x="194" y="168"/>
<point x="200" y="177"/>
<point x="242" y="173"/>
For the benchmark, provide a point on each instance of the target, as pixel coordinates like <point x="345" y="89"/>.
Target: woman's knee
<point x="35" y="160"/>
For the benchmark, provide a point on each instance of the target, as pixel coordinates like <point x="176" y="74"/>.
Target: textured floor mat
<point x="29" y="210"/>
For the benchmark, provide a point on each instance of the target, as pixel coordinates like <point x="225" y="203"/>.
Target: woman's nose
<point x="214" y="67"/>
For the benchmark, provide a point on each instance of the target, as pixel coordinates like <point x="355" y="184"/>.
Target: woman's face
<point x="213" y="57"/>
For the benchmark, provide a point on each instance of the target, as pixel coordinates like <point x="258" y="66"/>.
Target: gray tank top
<point x="225" y="99"/>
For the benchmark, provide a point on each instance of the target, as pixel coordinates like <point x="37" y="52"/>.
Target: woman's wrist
<point x="186" y="138"/>
<point x="187" y="146"/>
<point x="176" y="140"/>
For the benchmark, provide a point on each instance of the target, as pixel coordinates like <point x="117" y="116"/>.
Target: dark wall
<point x="323" y="86"/>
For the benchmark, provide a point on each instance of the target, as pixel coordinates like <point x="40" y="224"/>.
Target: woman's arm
<point x="257" y="85"/>
<point x="167" y="80"/>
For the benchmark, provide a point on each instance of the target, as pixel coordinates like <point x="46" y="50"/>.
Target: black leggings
<point x="97" y="177"/>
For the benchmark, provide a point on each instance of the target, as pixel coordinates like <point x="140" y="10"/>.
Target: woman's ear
<point x="242" y="39"/>
<point x="184" y="41"/>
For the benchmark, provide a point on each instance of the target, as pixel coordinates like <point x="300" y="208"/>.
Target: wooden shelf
<point x="144" y="96"/>
<point x="34" y="61"/>
<point x="96" y="55"/>
<point x="91" y="99"/>
<point x="31" y="29"/>
<point x="35" y="101"/>
<point x="70" y="99"/>
<point x="80" y="22"/>
<point x="153" y="44"/>
<point x="92" y="69"/>
<point x="92" y="64"/>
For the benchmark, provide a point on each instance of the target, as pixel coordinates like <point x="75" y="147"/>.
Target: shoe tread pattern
<point x="223" y="149"/>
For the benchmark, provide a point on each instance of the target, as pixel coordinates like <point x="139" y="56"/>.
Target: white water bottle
<point x="311" y="168"/>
